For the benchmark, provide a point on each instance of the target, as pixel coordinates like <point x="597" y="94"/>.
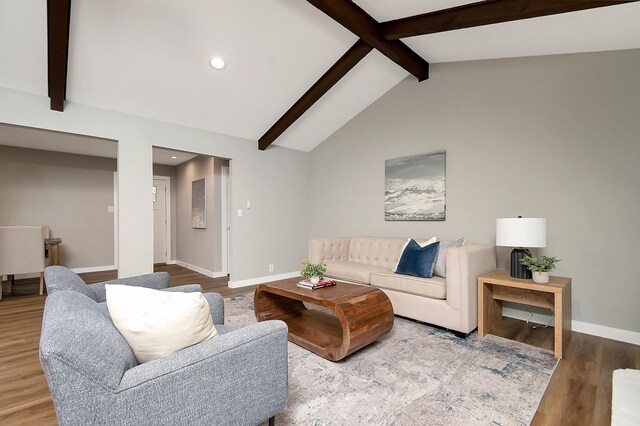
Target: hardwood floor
<point x="579" y="392"/>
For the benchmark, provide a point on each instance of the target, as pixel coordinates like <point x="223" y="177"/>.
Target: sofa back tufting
<point x="376" y="251"/>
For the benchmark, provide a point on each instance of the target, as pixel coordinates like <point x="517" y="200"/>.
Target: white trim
<point x="94" y="269"/>
<point x="171" y="262"/>
<point x="199" y="269"/>
<point x="224" y="178"/>
<point x="167" y="212"/>
<point x="76" y="270"/>
<point x="260" y="280"/>
<point x="115" y="219"/>
<point x="627" y="336"/>
<point x="577" y="326"/>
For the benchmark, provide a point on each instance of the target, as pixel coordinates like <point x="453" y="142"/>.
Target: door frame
<point x="167" y="207"/>
<point x="116" y="212"/>
<point x="226" y="226"/>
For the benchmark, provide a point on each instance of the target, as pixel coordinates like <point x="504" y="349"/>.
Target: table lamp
<point x="521" y="233"/>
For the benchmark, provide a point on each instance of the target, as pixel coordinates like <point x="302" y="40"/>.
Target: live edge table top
<point x="361" y="315"/>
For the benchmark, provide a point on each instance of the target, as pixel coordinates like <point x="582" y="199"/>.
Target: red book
<point x="329" y="283"/>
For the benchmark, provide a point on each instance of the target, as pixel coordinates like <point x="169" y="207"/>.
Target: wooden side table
<point x="498" y="286"/>
<point x="52" y="250"/>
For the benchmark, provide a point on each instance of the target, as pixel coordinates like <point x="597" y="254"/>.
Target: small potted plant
<point x="314" y="272"/>
<point x="540" y="267"/>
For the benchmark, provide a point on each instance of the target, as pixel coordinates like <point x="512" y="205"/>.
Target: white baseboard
<point x="260" y="280"/>
<point x="198" y="269"/>
<point x="579" y="326"/>
<point x="76" y="270"/>
<point x="171" y="262"/>
<point x="627" y="336"/>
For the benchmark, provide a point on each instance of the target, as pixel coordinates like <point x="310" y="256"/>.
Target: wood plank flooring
<point x="579" y="392"/>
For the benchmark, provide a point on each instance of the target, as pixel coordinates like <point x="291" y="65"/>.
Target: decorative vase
<point x="540" y="277"/>
<point x="314" y="279"/>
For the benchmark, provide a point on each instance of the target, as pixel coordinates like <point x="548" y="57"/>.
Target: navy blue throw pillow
<point x="418" y="261"/>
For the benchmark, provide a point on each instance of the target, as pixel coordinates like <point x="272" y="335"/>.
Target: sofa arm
<point x="327" y="249"/>
<point x="216" y="305"/>
<point x="156" y="280"/>
<point x="246" y="371"/>
<point x="464" y="265"/>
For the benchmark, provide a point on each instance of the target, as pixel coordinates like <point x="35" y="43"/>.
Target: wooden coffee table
<point x="361" y="315"/>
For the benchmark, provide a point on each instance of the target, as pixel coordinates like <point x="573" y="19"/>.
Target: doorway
<point x="161" y="217"/>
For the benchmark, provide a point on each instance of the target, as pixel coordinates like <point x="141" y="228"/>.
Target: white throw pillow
<point x="441" y="261"/>
<point x="426" y="243"/>
<point x="157" y="323"/>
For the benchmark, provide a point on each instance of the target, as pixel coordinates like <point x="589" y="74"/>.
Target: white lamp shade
<point x="521" y="232"/>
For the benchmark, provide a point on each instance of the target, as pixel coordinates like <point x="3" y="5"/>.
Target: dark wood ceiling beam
<point x="349" y="60"/>
<point x="359" y="22"/>
<point x="58" y="19"/>
<point x="484" y="13"/>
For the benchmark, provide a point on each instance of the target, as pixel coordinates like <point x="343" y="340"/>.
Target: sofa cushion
<point x="157" y="323"/>
<point x="352" y="271"/>
<point x="434" y="288"/>
<point x="417" y="260"/>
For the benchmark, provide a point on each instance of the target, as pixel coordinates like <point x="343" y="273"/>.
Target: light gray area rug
<point x="415" y="375"/>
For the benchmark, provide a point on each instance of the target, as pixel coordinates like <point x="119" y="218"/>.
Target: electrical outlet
<point x="272" y="268"/>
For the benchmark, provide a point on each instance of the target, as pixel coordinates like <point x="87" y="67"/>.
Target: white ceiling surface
<point x="49" y="140"/>
<point x="164" y="156"/>
<point x="150" y="57"/>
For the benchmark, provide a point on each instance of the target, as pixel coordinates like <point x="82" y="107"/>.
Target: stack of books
<point x="320" y="284"/>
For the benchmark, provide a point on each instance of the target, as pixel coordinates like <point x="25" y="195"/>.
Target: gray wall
<point x="555" y="137"/>
<point x="200" y="247"/>
<point x="48" y="188"/>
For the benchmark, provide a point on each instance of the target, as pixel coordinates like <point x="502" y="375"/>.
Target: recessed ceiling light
<point x="217" y="63"/>
<point x="174" y="157"/>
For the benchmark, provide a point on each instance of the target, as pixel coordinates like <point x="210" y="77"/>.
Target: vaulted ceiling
<point x="150" y="57"/>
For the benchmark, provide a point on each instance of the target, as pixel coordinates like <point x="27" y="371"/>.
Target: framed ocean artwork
<point x="414" y="187"/>
<point x="198" y="204"/>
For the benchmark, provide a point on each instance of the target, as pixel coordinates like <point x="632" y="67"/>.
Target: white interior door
<point x="159" y="221"/>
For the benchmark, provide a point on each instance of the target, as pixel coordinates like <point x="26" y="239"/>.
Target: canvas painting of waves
<point x="414" y="187"/>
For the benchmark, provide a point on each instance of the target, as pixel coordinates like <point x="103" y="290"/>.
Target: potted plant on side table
<point x="540" y="267"/>
<point x="314" y="272"/>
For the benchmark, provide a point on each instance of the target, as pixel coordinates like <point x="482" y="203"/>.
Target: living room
<point x="542" y="133"/>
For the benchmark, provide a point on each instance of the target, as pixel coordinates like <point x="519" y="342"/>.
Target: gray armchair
<point x="237" y="378"/>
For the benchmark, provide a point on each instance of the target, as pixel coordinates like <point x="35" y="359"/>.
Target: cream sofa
<point x="450" y="302"/>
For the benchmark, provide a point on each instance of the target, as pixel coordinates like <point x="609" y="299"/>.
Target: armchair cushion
<point x="61" y="278"/>
<point x="100" y="294"/>
<point x="157" y="323"/>
<point x="78" y="334"/>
